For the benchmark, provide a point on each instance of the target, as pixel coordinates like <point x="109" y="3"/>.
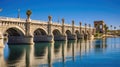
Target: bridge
<point x="28" y="31"/>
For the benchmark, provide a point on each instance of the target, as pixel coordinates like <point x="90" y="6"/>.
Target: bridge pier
<point x="20" y="40"/>
<point x="79" y="36"/>
<point x="71" y="37"/>
<point x="60" y="38"/>
<point x="1" y="41"/>
<point x="43" y="38"/>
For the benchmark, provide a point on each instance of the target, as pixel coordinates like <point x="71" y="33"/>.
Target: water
<point x="81" y="53"/>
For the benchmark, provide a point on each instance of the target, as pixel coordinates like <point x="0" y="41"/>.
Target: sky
<point x="85" y="11"/>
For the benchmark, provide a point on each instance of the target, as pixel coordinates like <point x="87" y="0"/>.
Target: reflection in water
<point x="59" y="53"/>
<point x="100" y="45"/>
<point x="50" y="54"/>
<point x="40" y="49"/>
<point x="15" y="54"/>
<point x="2" y="60"/>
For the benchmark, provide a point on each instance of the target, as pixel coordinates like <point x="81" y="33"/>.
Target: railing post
<point x="90" y="28"/>
<point x="28" y="23"/>
<point x="73" y="27"/>
<point x="63" y="26"/>
<point x="1" y="40"/>
<point x="63" y="36"/>
<point x="49" y="25"/>
<point x="28" y="36"/>
<point x="80" y="27"/>
<point x="50" y="36"/>
<point x="85" y="28"/>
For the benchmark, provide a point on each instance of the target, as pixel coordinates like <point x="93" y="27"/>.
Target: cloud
<point x="0" y="9"/>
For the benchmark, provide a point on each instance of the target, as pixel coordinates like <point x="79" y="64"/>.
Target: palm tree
<point x="119" y="27"/>
<point x="106" y="29"/>
<point x="111" y="27"/>
<point x="114" y="30"/>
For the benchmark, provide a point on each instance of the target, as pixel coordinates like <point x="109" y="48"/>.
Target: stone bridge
<point x="28" y="31"/>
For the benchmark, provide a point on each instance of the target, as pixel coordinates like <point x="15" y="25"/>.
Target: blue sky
<point x="85" y="11"/>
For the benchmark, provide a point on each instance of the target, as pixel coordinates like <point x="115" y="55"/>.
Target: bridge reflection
<point x="46" y="54"/>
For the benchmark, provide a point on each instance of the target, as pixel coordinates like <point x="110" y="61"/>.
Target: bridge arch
<point x="18" y="30"/>
<point x="77" y="33"/>
<point x="88" y="32"/>
<point x="56" y="34"/>
<point x="39" y="31"/>
<point x="68" y="32"/>
<point x="13" y="35"/>
<point x="14" y="32"/>
<point x="83" y="32"/>
<point x="39" y="35"/>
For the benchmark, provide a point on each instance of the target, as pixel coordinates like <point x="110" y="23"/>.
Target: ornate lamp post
<point x="85" y="27"/>
<point x="28" y="13"/>
<point x="28" y="24"/>
<point x="18" y="13"/>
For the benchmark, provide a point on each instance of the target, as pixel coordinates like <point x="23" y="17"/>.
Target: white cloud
<point x="0" y="9"/>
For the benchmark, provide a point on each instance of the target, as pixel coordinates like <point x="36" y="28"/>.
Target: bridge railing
<point x="38" y="21"/>
<point x="56" y="23"/>
<point x="11" y="19"/>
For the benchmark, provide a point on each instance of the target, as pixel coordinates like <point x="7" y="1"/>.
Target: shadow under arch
<point x="78" y="34"/>
<point x="12" y="35"/>
<point x="56" y="34"/>
<point x="39" y="35"/>
<point x="68" y="33"/>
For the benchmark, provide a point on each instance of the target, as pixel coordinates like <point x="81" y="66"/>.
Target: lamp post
<point x="80" y="27"/>
<point x="85" y="27"/>
<point x="28" y="13"/>
<point x="18" y="14"/>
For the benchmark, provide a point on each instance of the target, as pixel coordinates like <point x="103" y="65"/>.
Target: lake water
<point x="74" y="53"/>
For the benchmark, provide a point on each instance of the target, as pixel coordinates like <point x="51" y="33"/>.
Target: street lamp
<point x="18" y="13"/>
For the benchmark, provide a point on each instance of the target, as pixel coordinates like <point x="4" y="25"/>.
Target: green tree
<point x="106" y="29"/>
<point x="114" y="30"/>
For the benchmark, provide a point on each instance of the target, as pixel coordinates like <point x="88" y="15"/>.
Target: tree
<point x="111" y="27"/>
<point x="114" y="30"/>
<point x="119" y="27"/>
<point x="106" y="28"/>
